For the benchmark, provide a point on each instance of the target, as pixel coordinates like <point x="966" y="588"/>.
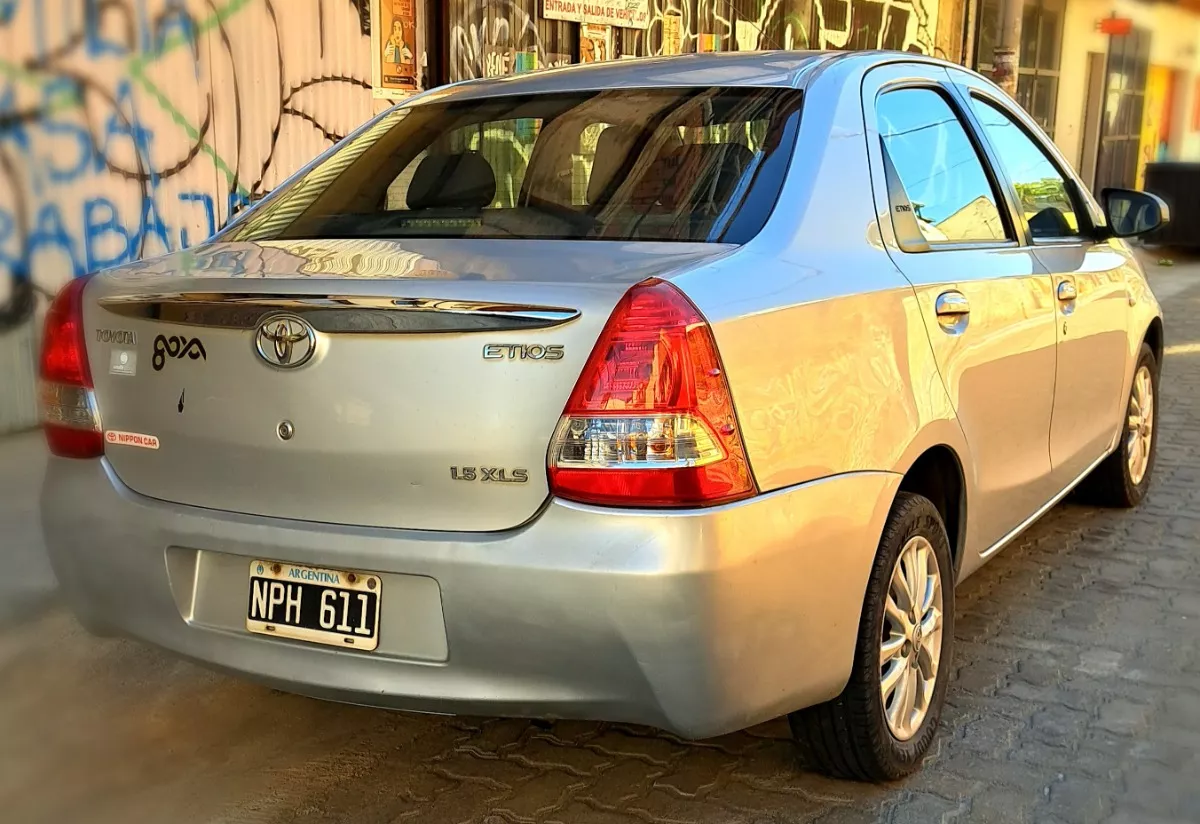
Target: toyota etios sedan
<point x="676" y="391"/>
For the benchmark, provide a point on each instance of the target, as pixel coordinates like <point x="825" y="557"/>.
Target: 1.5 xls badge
<point x="178" y="348"/>
<point x="489" y="474"/>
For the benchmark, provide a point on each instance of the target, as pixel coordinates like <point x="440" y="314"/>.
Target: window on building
<point x="1041" y="38"/>
<point x="939" y="167"/>
<point x="1041" y="188"/>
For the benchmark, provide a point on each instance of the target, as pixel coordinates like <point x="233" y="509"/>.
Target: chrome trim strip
<point x="1046" y="507"/>
<point x="334" y="314"/>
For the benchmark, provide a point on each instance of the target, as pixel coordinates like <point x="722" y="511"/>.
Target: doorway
<point x="1124" y="102"/>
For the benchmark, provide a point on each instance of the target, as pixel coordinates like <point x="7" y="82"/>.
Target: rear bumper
<point x="699" y="622"/>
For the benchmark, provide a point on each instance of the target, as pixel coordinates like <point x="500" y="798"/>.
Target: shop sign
<point x="630" y="14"/>
<point x="394" y="47"/>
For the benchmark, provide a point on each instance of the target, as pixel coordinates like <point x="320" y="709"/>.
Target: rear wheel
<point x="881" y="725"/>
<point x="1124" y="477"/>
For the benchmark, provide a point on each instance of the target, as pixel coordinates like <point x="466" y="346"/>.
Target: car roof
<point x="781" y="69"/>
<point x="784" y="69"/>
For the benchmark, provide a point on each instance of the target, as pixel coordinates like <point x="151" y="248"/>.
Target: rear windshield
<point x="682" y="164"/>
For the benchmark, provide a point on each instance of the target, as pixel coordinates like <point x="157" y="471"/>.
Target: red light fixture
<point x="1115" y="26"/>
<point x="651" y="422"/>
<point x="68" y="402"/>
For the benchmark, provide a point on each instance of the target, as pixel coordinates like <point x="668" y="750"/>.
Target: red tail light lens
<point x="68" y="404"/>
<point x="650" y="421"/>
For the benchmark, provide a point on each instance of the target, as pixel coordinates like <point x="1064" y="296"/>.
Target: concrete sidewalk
<point x="25" y="575"/>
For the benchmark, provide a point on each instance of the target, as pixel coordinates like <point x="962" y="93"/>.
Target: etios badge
<point x="285" y="341"/>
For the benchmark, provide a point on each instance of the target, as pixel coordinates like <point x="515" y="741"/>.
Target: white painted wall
<point x="1174" y="42"/>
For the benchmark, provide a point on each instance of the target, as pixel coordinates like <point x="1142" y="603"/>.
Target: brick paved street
<point x="1077" y="699"/>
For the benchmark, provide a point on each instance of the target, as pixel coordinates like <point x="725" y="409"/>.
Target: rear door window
<point x="939" y="167"/>
<point x="633" y="164"/>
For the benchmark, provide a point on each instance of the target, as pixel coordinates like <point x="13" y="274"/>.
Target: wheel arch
<point x="1154" y="337"/>
<point x="937" y="474"/>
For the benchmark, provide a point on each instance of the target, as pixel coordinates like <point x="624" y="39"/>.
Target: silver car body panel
<point x="699" y="622"/>
<point x="510" y="601"/>
<point x="380" y="413"/>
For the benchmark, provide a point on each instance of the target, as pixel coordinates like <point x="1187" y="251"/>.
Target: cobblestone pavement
<point x="1076" y="699"/>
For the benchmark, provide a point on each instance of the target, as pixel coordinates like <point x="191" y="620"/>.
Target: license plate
<point x="324" y="606"/>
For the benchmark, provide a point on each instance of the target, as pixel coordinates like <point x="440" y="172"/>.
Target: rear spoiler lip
<point x="337" y="314"/>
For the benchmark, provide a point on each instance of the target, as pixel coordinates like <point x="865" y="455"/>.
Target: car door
<point x="1091" y="296"/>
<point x="987" y="301"/>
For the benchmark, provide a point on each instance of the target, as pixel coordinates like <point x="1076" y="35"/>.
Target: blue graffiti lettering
<point x="76" y="143"/>
<point x="12" y="130"/>
<point x="210" y="213"/>
<point x="237" y="199"/>
<point x="101" y="230"/>
<point x="128" y="128"/>
<point x="175" y="17"/>
<point x="10" y="262"/>
<point x="96" y="14"/>
<point x="152" y="225"/>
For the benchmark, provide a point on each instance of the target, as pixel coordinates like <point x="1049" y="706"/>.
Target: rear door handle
<point x="1067" y="291"/>
<point x="952" y="305"/>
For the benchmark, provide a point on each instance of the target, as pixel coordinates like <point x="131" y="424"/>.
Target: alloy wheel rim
<point x="1139" y="431"/>
<point x="911" y="644"/>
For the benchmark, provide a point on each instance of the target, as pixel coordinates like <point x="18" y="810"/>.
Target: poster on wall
<point x="394" y="42"/>
<point x="595" y="43"/>
<point x="631" y="14"/>
<point x="672" y="33"/>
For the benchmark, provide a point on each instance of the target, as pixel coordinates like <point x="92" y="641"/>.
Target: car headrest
<point x="452" y="181"/>
<point x="612" y="150"/>
<point x="676" y="170"/>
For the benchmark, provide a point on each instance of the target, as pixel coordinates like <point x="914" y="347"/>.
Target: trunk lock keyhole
<point x="286" y="431"/>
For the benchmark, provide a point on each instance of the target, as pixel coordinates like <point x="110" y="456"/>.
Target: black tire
<point x="1111" y="483"/>
<point x="849" y="737"/>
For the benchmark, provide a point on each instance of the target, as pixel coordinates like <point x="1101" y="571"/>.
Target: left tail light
<point x="68" y="399"/>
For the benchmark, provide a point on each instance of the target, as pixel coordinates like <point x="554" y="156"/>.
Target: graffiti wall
<point x="131" y="128"/>
<point x="490" y="38"/>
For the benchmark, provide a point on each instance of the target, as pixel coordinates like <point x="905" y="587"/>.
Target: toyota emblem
<point x="285" y="341"/>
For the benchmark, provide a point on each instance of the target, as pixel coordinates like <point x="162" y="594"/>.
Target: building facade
<point x="1116" y="83"/>
<point x="499" y="36"/>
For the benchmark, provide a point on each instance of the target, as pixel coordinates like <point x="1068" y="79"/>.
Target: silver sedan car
<point x="674" y="391"/>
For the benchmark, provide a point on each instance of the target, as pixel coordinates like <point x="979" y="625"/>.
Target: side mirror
<point x="1131" y="213"/>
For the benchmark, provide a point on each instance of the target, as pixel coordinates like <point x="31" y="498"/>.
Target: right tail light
<point x="650" y="422"/>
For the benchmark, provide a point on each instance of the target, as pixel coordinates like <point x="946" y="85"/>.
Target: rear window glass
<point x="664" y="164"/>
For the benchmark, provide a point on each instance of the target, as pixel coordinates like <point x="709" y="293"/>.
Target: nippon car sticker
<point x="117" y="438"/>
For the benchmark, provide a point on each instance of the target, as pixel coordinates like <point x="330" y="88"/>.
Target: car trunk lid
<point x="436" y="375"/>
